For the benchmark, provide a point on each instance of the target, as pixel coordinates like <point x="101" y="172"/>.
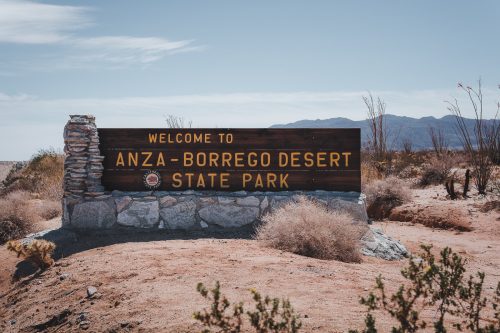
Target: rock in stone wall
<point x="191" y="210"/>
<point x="141" y="214"/>
<point x="94" y="214"/>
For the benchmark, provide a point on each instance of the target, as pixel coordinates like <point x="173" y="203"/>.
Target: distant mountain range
<point x="400" y="128"/>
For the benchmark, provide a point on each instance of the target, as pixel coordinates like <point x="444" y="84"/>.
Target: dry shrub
<point x="438" y="169"/>
<point x="383" y="195"/>
<point x="48" y="210"/>
<point x="434" y="216"/>
<point x="308" y="228"/>
<point x="369" y="173"/>
<point x="17" y="216"/>
<point x="38" y="252"/>
<point x="409" y="172"/>
<point x="43" y="175"/>
<point x="489" y="206"/>
<point x="19" y="213"/>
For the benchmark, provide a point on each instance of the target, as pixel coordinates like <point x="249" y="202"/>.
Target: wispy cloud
<point x="27" y="22"/>
<point x="14" y="98"/>
<point x="127" y="49"/>
<point x="36" y="23"/>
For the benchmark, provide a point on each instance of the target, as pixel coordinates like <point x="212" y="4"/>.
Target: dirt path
<point x="148" y="285"/>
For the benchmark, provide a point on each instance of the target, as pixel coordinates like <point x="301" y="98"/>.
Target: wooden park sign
<point x="231" y="159"/>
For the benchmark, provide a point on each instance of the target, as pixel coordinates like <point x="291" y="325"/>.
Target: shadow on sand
<point x="69" y="241"/>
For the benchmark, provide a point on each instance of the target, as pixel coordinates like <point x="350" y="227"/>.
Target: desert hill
<point x="399" y="128"/>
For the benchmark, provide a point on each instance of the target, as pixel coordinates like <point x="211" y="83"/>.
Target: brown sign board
<point x="231" y="159"/>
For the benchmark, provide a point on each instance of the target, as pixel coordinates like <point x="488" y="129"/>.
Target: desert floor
<point x="147" y="282"/>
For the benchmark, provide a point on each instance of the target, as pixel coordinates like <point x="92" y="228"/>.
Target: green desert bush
<point x="271" y="315"/>
<point x="385" y="194"/>
<point x="437" y="284"/>
<point x="442" y="285"/>
<point x="308" y="228"/>
<point x="38" y="252"/>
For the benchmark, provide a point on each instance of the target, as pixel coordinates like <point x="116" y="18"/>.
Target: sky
<point x="235" y="63"/>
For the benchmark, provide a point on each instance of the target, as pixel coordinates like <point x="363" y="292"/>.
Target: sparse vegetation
<point x="407" y="146"/>
<point x="383" y="195"/>
<point x="482" y="145"/>
<point x="438" y="140"/>
<point x="433" y="216"/>
<point x="369" y="172"/>
<point x="493" y="205"/>
<point x="308" y="228"/>
<point x="441" y="284"/>
<point x="377" y="144"/>
<point x="17" y="216"/>
<point x="48" y="210"/>
<point x="42" y="175"/>
<point x="19" y="212"/>
<point x="174" y="121"/>
<point x="406" y="164"/>
<point x="38" y="252"/>
<point x="270" y="315"/>
<point x="438" y="284"/>
<point x="437" y="169"/>
<point x="31" y="192"/>
<point x="380" y="154"/>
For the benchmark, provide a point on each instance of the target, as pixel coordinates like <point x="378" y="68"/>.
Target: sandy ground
<point x="146" y="282"/>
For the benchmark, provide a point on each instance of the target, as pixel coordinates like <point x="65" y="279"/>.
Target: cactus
<point x="38" y="252"/>
<point x="466" y="184"/>
<point x="450" y="187"/>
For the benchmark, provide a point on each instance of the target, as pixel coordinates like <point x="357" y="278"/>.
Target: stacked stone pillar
<point x="83" y="164"/>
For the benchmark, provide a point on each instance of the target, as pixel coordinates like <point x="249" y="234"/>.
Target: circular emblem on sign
<point x="152" y="179"/>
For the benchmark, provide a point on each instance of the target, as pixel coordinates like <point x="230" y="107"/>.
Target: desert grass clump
<point x="48" y="210"/>
<point x="383" y="195"/>
<point x="17" y="216"/>
<point x="19" y="213"/>
<point x="38" y="252"/>
<point x="270" y="314"/>
<point x="308" y="228"/>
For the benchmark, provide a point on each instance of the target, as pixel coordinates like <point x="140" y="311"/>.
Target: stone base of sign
<point x="192" y="210"/>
